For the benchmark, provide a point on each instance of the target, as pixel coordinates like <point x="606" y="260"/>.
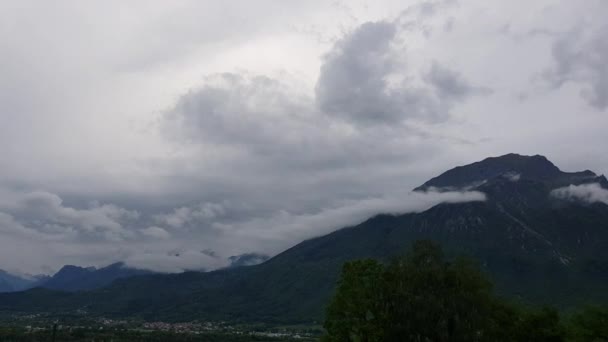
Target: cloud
<point x="450" y="85"/>
<point x="176" y="261"/>
<point x="254" y="119"/>
<point x="9" y="226"/>
<point x="590" y="193"/>
<point x="512" y="176"/>
<point x="272" y="233"/>
<point x="204" y="212"/>
<point x="247" y="259"/>
<point x="294" y="165"/>
<point x="235" y="109"/>
<point x="282" y="229"/>
<point x="173" y="243"/>
<point x="580" y="58"/>
<point x="304" y="150"/>
<point x="365" y="80"/>
<point x="156" y="232"/>
<point x="352" y="81"/>
<point x="45" y="213"/>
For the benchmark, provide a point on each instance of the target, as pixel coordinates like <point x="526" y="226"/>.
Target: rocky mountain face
<point x="542" y="235"/>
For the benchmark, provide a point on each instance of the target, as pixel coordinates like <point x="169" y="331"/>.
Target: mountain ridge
<point x="525" y="238"/>
<point x="535" y="168"/>
<point x="75" y="278"/>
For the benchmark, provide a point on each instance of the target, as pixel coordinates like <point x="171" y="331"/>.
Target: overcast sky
<point x="174" y="134"/>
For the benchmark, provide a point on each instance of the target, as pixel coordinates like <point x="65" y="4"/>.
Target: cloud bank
<point x="145" y="241"/>
<point x="590" y="193"/>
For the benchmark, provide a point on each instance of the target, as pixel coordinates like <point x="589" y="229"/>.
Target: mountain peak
<point x="74" y="268"/>
<point x="116" y="265"/>
<point x="512" y="165"/>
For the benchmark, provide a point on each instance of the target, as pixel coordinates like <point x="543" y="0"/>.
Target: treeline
<point x="424" y="297"/>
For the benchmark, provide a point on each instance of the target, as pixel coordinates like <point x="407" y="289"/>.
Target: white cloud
<point x="513" y="176"/>
<point x="283" y="229"/>
<point x="590" y="193"/>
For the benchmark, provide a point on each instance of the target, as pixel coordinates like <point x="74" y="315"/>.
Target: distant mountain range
<point x="538" y="241"/>
<point x="75" y="278"/>
<point x="70" y="278"/>
<point x="13" y="282"/>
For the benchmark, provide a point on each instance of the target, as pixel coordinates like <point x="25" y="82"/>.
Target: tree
<point x="591" y="324"/>
<point x="423" y="297"/>
<point x="432" y="299"/>
<point x="542" y="325"/>
<point x="356" y="309"/>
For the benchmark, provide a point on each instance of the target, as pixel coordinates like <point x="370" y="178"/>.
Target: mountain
<point x="247" y="259"/>
<point x="9" y="282"/>
<point x="511" y="166"/>
<point x="536" y="246"/>
<point x="12" y="283"/>
<point x="75" y="278"/>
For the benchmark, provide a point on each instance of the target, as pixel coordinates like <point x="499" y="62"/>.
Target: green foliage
<point x="358" y="305"/>
<point x="430" y="298"/>
<point x="590" y="324"/>
<point x="539" y="325"/>
<point x="423" y="297"/>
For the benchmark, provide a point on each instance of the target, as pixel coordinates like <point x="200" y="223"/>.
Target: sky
<point x="171" y="135"/>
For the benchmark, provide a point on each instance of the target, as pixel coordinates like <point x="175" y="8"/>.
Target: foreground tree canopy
<point x="423" y="297"/>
